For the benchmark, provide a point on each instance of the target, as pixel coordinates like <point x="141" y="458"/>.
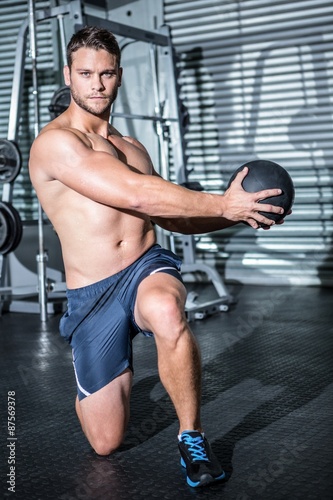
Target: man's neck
<point x="88" y="123"/>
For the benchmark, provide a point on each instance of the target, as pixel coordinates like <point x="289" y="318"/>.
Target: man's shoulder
<point x="53" y="145"/>
<point x="58" y="134"/>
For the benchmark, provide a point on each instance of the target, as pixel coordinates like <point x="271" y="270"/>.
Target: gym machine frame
<point x="165" y="126"/>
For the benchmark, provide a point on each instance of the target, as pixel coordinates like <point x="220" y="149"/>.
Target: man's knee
<point x="166" y="310"/>
<point x="105" y="443"/>
<point x="170" y="326"/>
<point x="104" y="434"/>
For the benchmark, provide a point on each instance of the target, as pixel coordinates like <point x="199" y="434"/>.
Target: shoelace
<point x="195" y="447"/>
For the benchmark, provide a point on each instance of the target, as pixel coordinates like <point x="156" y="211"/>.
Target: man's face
<point x="94" y="80"/>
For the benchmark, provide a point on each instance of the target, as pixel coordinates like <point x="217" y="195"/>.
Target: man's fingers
<point x="258" y="219"/>
<point x="268" y="193"/>
<point x="266" y="207"/>
<point x="241" y="175"/>
<point x="253" y="223"/>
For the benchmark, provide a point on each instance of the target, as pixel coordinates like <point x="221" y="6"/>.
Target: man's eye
<point x="85" y="73"/>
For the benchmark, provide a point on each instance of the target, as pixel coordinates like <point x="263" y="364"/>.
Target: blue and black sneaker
<point x="202" y="466"/>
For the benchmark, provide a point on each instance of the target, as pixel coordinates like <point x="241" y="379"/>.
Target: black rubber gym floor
<point x="267" y="408"/>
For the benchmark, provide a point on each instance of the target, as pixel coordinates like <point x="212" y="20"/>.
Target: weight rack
<point x="170" y="130"/>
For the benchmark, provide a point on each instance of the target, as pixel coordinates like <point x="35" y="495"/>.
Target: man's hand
<point x="242" y="206"/>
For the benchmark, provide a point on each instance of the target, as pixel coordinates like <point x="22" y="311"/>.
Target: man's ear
<point x="67" y="75"/>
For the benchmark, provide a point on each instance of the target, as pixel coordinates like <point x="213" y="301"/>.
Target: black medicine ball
<point x="265" y="174"/>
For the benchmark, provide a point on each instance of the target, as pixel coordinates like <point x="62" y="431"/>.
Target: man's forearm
<point x="193" y="225"/>
<point x="158" y="198"/>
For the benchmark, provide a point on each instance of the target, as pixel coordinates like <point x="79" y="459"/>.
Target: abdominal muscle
<point x="99" y="241"/>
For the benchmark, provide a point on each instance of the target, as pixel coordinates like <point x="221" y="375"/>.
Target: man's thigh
<point x="105" y="413"/>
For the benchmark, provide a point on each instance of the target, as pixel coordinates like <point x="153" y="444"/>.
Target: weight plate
<point x="10" y="160"/>
<point x="60" y="102"/>
<point x="19" y="227"/>
<point x="4" y="230"/>
<point x="14" y="225"/>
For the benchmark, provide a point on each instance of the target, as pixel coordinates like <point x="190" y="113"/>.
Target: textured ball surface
<point x="265" y="174"/>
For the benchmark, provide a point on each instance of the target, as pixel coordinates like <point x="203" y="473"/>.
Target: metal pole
<point x="42" y="255"/>
<point x="160" y="127"/>
<point x="62" y="38"/>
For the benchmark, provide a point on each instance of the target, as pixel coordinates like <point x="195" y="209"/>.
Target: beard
<point x="100" y="111"/>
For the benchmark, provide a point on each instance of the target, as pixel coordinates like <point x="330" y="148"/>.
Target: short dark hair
<point x="93" y="37"/>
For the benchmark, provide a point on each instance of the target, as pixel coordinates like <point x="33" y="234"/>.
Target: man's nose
<point x="97" y="83"/>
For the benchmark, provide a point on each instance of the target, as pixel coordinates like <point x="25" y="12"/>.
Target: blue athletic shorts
<point x="99" y="321"/>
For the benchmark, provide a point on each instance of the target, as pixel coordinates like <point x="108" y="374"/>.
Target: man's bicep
<point x="54" y="150"/>
<point x="97" y="175"/>
<point x="63" y="156"/>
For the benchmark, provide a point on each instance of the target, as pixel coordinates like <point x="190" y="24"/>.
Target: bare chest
<point x="126" y="150"/>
